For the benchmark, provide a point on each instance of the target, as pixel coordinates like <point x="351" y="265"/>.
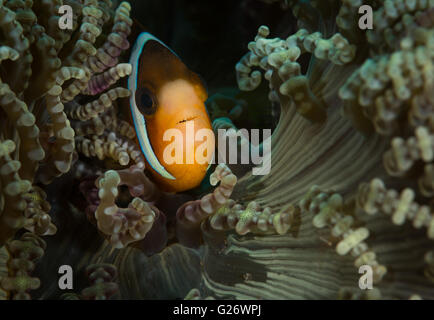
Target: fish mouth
<point x="187" y="119"/>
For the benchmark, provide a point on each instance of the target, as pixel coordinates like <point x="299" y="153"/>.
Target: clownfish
<point x="165" y="95"/>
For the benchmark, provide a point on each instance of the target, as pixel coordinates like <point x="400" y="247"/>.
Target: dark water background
<point x="211" y="36"/>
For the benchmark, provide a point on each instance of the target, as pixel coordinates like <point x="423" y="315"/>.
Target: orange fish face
<point x="169" y="115"/>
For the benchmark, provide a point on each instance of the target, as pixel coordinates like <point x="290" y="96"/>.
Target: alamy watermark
<point x="67" y="18"/>
<point x="367" y="279"/>
<point x="67" y="277"/>
<point x="233" y="147"/>
<point x="366" y="21"/>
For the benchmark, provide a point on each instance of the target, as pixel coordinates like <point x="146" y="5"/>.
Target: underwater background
<point x="352" y="152"/>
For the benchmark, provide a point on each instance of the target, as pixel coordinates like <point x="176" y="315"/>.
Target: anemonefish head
<point x="167" y="106"/>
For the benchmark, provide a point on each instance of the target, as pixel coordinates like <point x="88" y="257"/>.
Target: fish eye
<point x="146" y="101"/>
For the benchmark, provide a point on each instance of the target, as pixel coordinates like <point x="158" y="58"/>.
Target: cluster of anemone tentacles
<point x="56" y="101"/>
<point x="382" y="80"/>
